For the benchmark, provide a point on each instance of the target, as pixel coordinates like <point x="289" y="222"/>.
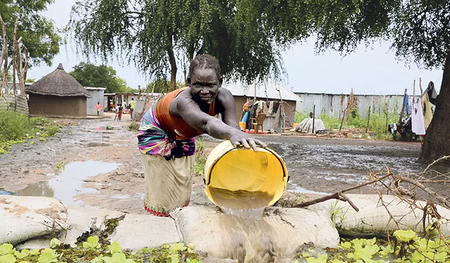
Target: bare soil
<point x="316" y="164"/>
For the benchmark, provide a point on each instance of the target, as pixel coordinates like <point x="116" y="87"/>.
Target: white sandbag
<point x="373" y="219"/>
<point x="27" y="217"/>
<point x="140" y="231"/>
<point x="276" y="236"/>
<point x="133" y="232"/>
<point x="81" y="219"/>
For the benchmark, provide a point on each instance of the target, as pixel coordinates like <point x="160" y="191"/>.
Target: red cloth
<point x="170" y="123"/>
<point x="161" y="214"/>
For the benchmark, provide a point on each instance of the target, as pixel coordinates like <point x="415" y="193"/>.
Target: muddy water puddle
<point x="69" y="183"/>
<point x="327" y="165"/>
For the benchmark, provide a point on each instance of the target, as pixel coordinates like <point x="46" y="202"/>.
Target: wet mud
<point x="326" y="165"/>
<point x="315" y="165"/>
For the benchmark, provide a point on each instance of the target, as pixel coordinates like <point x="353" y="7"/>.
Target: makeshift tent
<point x="306" y="126"/>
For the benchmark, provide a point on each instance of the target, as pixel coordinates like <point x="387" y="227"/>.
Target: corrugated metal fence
<point x="14" y="103"/>
<point x="335" y="104"/>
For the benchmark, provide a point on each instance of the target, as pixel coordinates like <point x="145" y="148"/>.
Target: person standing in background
<point x="132" y="105"/>
<point x="120" y="112"/>
<point x="98" y="107"/>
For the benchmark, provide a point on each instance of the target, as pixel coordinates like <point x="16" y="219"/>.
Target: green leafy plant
<point x="91" y="243"/>
<point x="416" y="250"/>
<point x="59" y="167"/>
<point x="48" y="255"/>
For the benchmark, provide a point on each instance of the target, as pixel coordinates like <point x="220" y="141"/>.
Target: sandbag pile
<point x="27" y="217"/>
<point x="373" y="219"/>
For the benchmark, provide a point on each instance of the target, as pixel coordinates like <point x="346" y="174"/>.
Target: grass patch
<point x="134" y="126"/>
<point x="376" y="125"/>
<point x="17" y="128"/>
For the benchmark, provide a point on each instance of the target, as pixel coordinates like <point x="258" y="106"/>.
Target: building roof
<point x="94" y="88"/>
<point x="58" y="83"/>
<point x="269" y="89"/>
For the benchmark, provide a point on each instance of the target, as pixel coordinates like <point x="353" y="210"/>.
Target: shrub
<point x="354" y="119"/>
<point x="300" y="116"/>
<point x="13" y="125"/>
<point x="330" y="122"/>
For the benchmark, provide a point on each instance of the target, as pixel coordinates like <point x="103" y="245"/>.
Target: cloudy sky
<point x="366" y="71"/>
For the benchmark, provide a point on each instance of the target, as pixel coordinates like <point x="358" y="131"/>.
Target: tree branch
<point x="339" y="195"/>
<point x="424" y="188"/>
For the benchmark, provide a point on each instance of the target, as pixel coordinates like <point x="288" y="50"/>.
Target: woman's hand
<point x="240" y="138"/>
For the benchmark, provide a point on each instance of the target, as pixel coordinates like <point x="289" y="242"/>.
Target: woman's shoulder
<point x="224" y="94"/>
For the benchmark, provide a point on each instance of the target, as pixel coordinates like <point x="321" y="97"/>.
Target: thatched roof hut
<point x="57" y="94"/>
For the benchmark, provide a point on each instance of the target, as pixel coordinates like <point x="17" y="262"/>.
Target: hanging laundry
<point x="427" y="110"/>
<point x="408" y="111"/>
<point x="418" y="123"/>
<point x="432" y="94"/>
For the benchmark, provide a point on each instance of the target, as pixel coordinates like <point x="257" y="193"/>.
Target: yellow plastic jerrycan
<point x="240" y="178"/>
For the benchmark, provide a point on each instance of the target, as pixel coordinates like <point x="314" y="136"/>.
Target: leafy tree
<point x="103" y="76"/>
<point x="159" y="86"/>
<point x="38" y="34"/>
<point x="419" y="31"/>
<point x="160" y="36"/>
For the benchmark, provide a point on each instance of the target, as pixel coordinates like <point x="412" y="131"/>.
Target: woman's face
<point x="205" y="85"/>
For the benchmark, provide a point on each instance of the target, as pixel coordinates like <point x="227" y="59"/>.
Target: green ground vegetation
<point x="376" y="125"/>
<point x="404" y="246"/>
<point x="19" y="128"/>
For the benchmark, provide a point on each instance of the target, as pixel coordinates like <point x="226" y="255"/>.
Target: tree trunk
<point x="4" y="59"/>
<point x="436" y="142"/>
<point x="173" y="70"/>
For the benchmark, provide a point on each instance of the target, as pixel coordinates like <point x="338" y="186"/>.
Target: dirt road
<point x="102" y="166"/>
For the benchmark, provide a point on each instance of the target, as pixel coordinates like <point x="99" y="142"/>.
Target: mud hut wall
<point x="56" y="106"/>
<point x="334" y="104"/>
<point x="97" y="95"/>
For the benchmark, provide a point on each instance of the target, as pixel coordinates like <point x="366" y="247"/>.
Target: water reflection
<point x="69" y="182"/>
<point x="4" y="192"/>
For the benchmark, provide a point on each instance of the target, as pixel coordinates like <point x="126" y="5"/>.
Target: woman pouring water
<point x="166" y="136"/>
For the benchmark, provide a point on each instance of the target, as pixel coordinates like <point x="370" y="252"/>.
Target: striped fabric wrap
<point x="153" y="140"/>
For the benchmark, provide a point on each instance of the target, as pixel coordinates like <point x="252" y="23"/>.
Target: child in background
<point x="120" y="112"/>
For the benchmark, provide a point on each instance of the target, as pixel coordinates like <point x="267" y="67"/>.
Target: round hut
<point x="57" y="94"/>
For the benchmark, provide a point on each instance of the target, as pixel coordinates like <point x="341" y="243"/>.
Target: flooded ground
<point x="101" y="166"/>
<point x="326" y="165"/>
